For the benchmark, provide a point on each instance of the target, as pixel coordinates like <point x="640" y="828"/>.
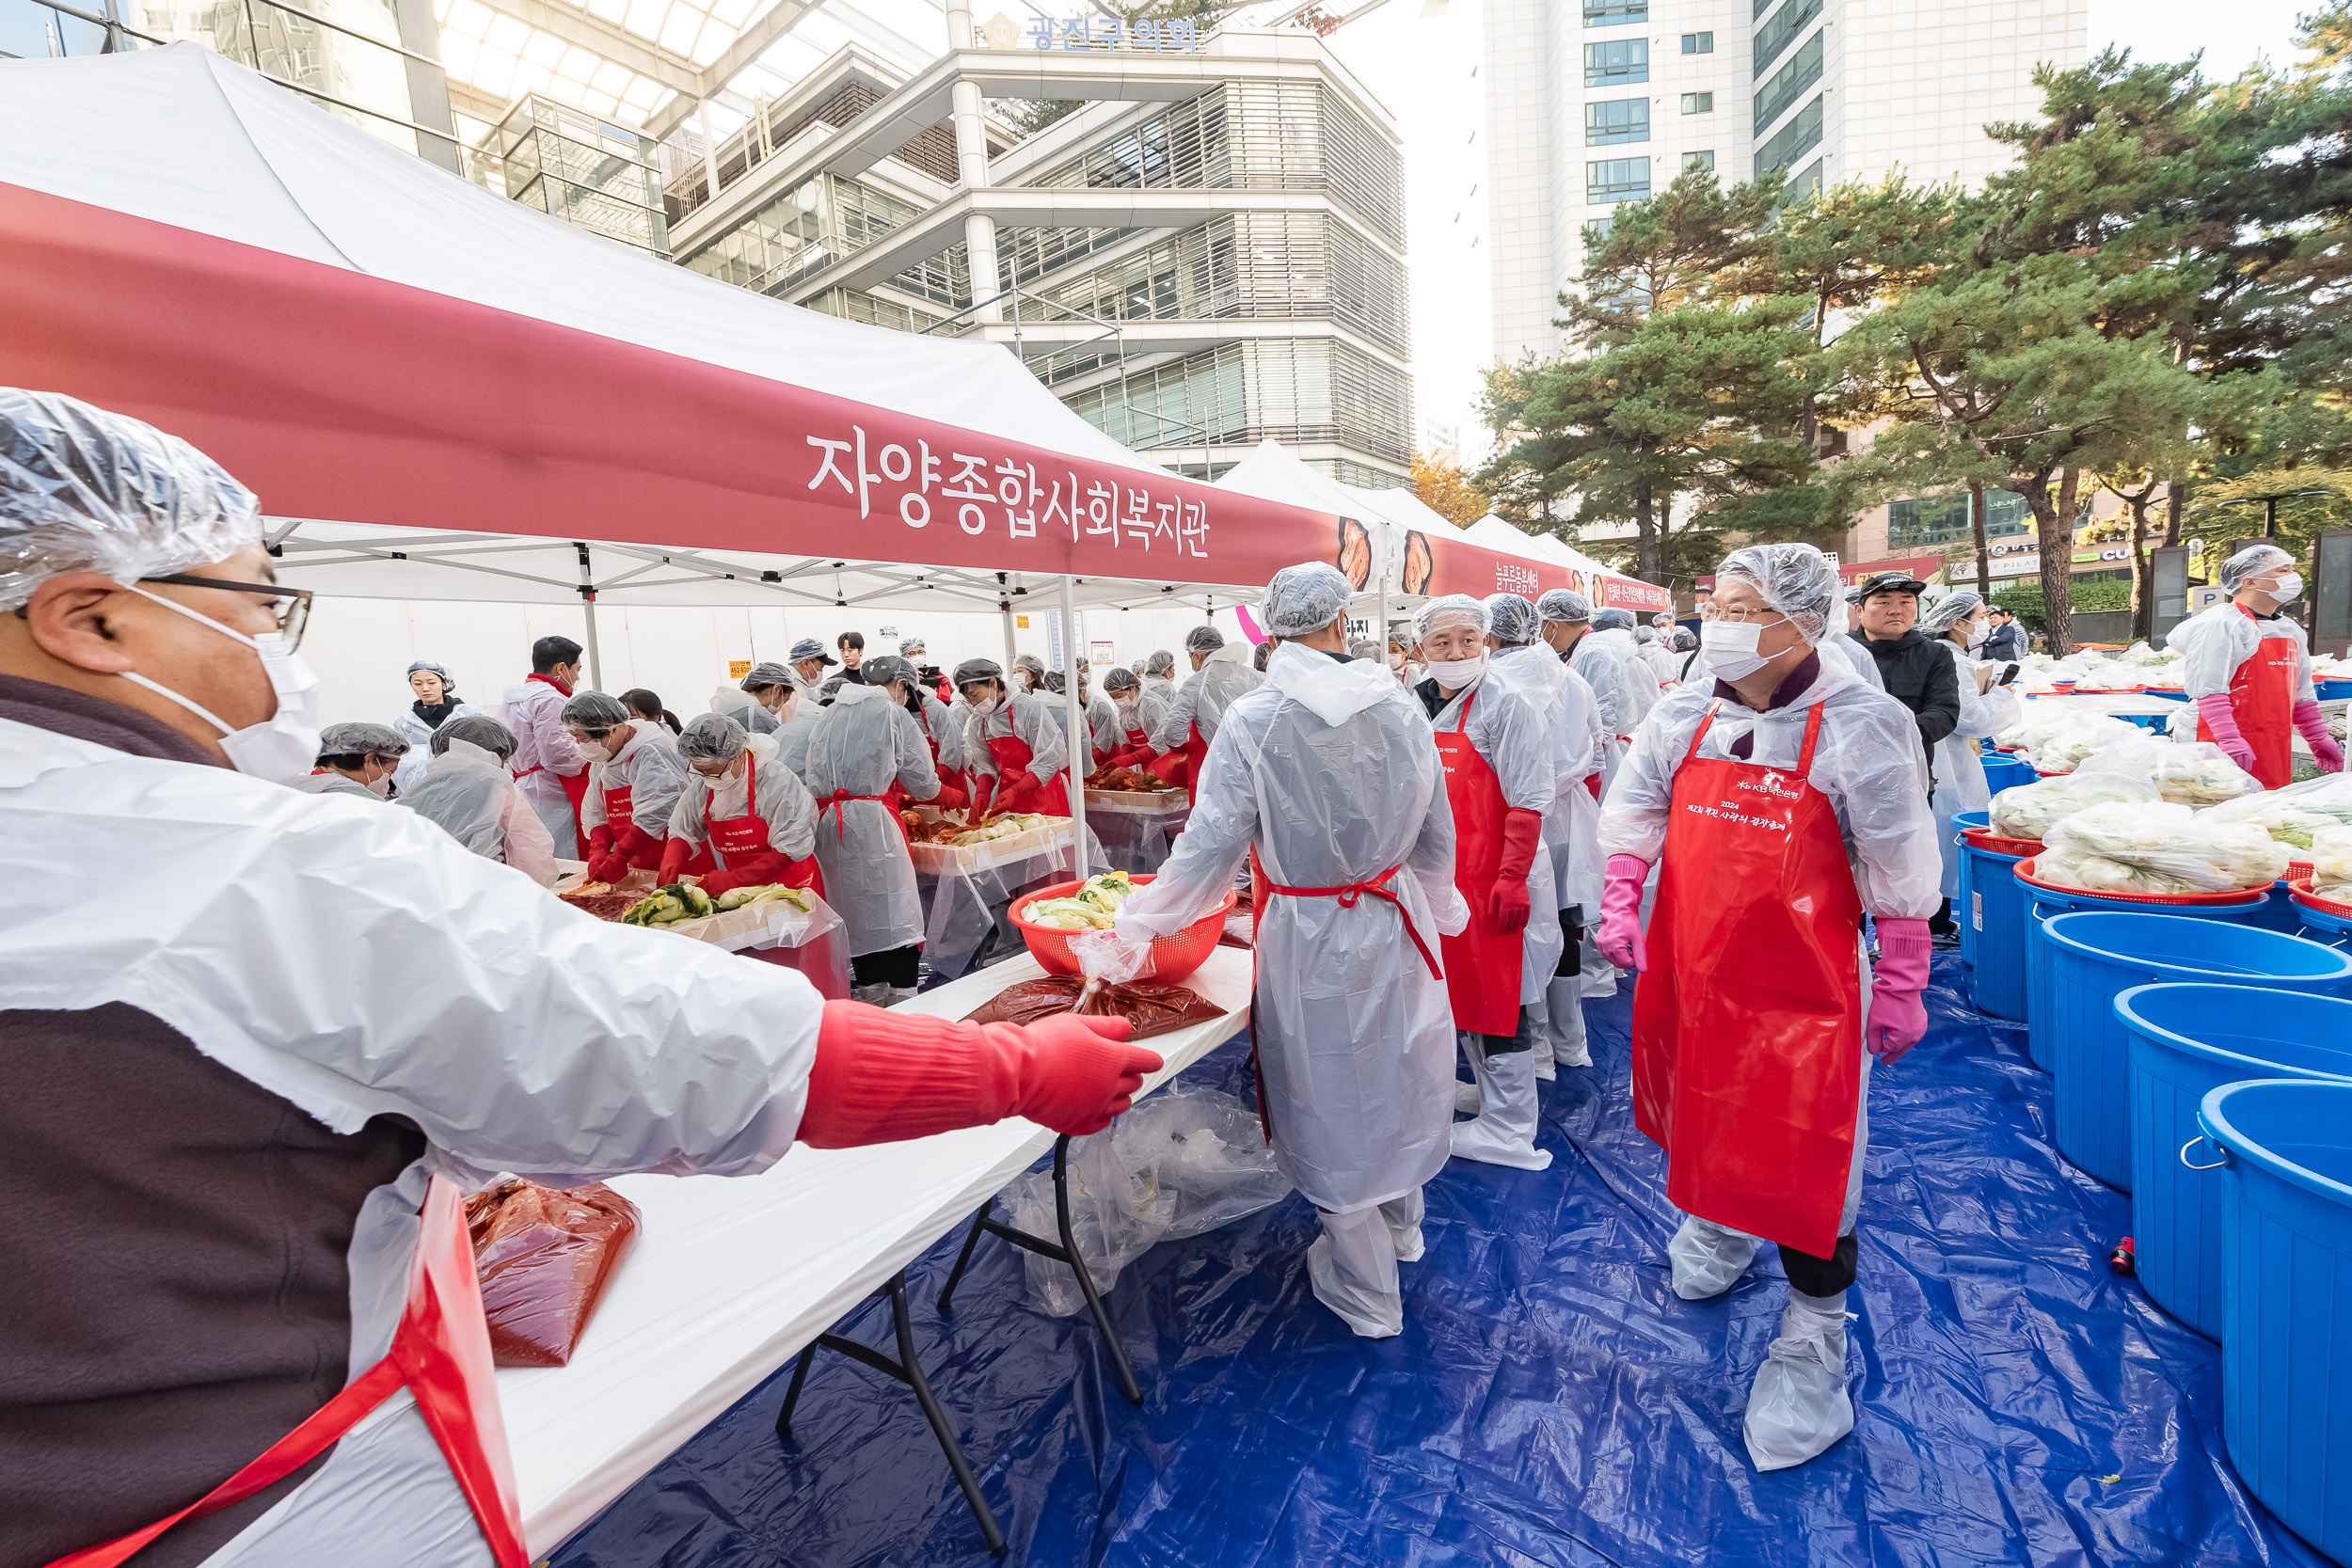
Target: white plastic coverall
<point x="1157" y="697"/>
<point x="648" y="767"/>
<point x="1865" y="664"/>
<point x="1868" y="763"/>
<point x="359" y="963"/>
<point x="1328" y="769"/>
<point x="1640" y="676"/>
<point x="863" y="745"/>
<point x="1606" y="670"/>
<point x="745" y="710"/>
<point x="1214" y="687"/>
<point x="783" y="804"/>
<point x="2217" y="638"/>
<point x="420" y="737"/>
<point x="544" y="757"/>
<point x="1571" y="833"/>
<point x="944" y="724"/>
<point x="1959" y="784"/>
<point x="791" y="741"/>
<point x="1023" y="715"/>
<point x="1107" y="738"/>
<point x="468" y="792"/>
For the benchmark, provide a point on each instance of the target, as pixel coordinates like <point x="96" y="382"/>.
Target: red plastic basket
<point x="1985" y="838"/>
<point x="2023" y="870"/>
<point x="2299" y="889"/>
<point x="2296" y="869"/>
<point x="1172" y="957"/>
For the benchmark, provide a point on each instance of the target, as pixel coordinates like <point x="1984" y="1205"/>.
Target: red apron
<point x="951" y="777"/>
<point x="833" y="804"/>
<point x="748" y="834"/>
<point x="1176" y="766"/>
<point x="441" y="1352"/>
<point x="1481" y="965"/>
<point x="2262" y="700"/>
<point x="1012" y="756"/>
<point x="1747" y="1025"/>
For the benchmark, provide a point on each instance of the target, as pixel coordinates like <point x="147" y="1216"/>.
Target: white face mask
<point x="1454" y="673"/>
<point x="282" y="746"/>
<point x="985" y="706"/>
<point x="1729" y="648"/>
<point x="380" y="788"/>
<point x="1977" y="632"/>
<point x="2286" y="588"/>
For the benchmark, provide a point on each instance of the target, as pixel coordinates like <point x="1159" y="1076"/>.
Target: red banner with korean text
<point x="1438" y="563"/>
<point x="336" y="395"/>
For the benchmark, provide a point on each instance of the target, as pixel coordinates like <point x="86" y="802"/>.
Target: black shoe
<point x="1944" y="941"/>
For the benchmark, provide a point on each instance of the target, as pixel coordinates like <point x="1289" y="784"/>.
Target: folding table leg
<point x="963" y="1258"/>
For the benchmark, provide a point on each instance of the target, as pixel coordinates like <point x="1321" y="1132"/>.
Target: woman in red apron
<point x="1125" y="690"/>
<point x="1017" y="732"/>
<point x="759" y="823"/>
<point x="631" y="774"/>
<point x="1480" y="724"/>
<point x="2248" y="670"/>
<point x="1755" y="799"/>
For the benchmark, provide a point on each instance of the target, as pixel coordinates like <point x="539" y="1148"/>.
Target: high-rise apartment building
<point x="1594" y="103"/>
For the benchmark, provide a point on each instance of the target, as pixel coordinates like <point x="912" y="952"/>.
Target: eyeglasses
<point x="292" y="615"/>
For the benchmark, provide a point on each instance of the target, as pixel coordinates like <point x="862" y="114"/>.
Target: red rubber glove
<point x="949" y="798"/>
<point x="1135" y="756"/>
<point x="600" y="842"/>
<point x="636" y="847"/>
<point x="2221" y="719"/>
<point x="1620" y="935"/>
<point x="2313" y="725"/>
<point x="1507" y="901"/>
<point x="772" y="865"/>
<point x="608" y="868"/>
<point x="674" y="854"/>
<point x="883" y="1075"/>
<point x="1012" y="796"/>
<point x="1898" y="1015"/>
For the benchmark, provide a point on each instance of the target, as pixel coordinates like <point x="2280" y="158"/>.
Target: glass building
<point x="585" y="171"/>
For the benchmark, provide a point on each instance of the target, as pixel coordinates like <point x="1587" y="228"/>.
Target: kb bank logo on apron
<point x="1773" y="783"/>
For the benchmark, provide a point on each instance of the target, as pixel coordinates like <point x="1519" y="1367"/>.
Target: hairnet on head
<point x="979" y="669"/>
<point x="2252" y="561"/>
<point x="908" y="644"/>
<point x="1685" y="640"/>
<point x="361" y="739"/>
<point x="1306" y="598"/>
<point x="832" y="688"/>
<point x="1206" y="638"/>
<point x="1645" y="634"/>
<point x="883" y="669"/>
<point x="449" y="687"/>
<point x="1853" y="595"/>
<point x="1121" y="678"/>
<point x="713" y="737"/>
<point x="1053" y="682"/>
<point x="1362" y="649"/>
<point x="1030" y="662"/>
<point x="1612" y="620"/>
<point x="1564" y="604"/>
<point x="478" y="728"/>
<point x="1160" y="664"/>
<point x="594" y="710"/>
<point x="84" y="490"/>
<point x="1951" y="611"/>
<point x="1795" y="579"/>
<point x="808" y="648"/>
<point x="1447" y="611"/>
<point x="766" y="675"/>
<point x="1511" y="619"/>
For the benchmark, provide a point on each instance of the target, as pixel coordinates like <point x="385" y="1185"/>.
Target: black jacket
<point x="1920" y="675"/>
<point x="2006" y="642"/>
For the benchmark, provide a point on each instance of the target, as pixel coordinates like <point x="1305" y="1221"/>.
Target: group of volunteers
<point x="237" y="1109"/>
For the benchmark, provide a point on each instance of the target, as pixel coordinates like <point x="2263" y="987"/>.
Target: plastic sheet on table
<point x="963" y="908"/>
<point x="1134" y="838"/>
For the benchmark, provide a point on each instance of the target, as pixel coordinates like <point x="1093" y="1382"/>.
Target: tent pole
<point x="1004" y="606"/>
<point x="588" y="609"/>
<point x="1081" y="738"/>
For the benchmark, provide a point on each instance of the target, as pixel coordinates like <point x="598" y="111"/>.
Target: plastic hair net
<point x="884" y="668"/>
<point x="361" y="739"/>
<point x="1305" y="598"/>
<point x="1054" y="682"/>
<point x="84" y="490"/>
<point x="766" y="675"/>
<point x="2252" y="561"/>
<point x="1795" y="579"/>
<point x="479" y="728"/>
<point x="1685" y="640"/>
<point x="1360" y="649"/>
<point x="832" y="688"/>
<point x="907" y="646"/>
<point x="1206" y="638"/>
<point x="1121" y="679"/>
<point x="1564" y="604"/>
<point x="1613" y="620"/>
<point x="1646" y="635"/>
<point x="1447" y="611"/>
<point x="1511" y="619"/>
<point x="594" y="710"/>
<point x="449" y="687"/>
<point x="979" y="669"/>
<point x="1951" y="611"/>
<point x="1160" y="664"/>
<point x="713" y="737"/>
<point x="807" y="647"/>
<point x="1034" y="665"/>
<point x="1853" y="595"/>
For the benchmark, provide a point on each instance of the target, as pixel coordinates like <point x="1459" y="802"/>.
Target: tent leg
<point x="588" y="606"/>
<point x="1081" y="736"/>
<point x="1005" y="607"/>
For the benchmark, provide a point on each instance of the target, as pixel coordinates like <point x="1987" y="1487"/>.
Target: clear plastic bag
<point x="2295" y="815"/>
<point x="2190" y="773"/>
<point x="2331" y="864"/>
<point x="2164" y="848"/>
<point x="1182" y="1163"/>
<point x="2026" y="811"/>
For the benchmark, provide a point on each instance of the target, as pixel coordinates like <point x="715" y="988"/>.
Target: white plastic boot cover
<point x="1505" y="1132"/>
<point x="1707" y="1259"/>
<point x="1403" y="1216"/>
<point x="1799" y="1405"/>
<point x="1352" y="1266"/>
<point x="1563" y="1011"/>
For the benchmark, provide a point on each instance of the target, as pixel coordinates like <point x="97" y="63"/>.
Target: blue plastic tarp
<point x="1550" y="1401"/>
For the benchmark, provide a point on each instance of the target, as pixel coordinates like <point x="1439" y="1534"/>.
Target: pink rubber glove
<point x="1899" y="1016"/>
<point x="1620" y="935"/>
<point x="2222" y="721"/>
<point x="2313" y="725"/>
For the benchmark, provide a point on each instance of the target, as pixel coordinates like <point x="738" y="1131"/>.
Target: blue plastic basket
<point x="2330" y="691"/>
<point x="2095" y="956"/>
<point x="2040" y="903"/>
<point x="1963" y="822"/>
<point x="2286" y="1251"/>
<point x="2186" y="1042"/>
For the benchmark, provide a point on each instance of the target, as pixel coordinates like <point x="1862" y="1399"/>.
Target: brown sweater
<point x="175" y="1297"/>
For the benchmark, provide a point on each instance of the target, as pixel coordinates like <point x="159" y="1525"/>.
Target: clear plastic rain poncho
<point x="468" y="792"/>
<point x="1867" y="760"/>
<point x="1960" y="781"/>
<point x="1022" y="716"/>
<point x="1510" y="717"/>
<point x="85" y="490"/>
<point x="1203" y="698"/>
<point x="1572" y="717"/>
<point x="863" y="745"/>
<point x="781" y="800"/>
<point x="1354" y="1035"/>
<point x="647" y="765"/>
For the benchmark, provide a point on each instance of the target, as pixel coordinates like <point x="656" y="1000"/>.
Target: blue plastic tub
<point x="2095" y="956"/>
<point x="2331" y="690"/>
<point x="2005" y="769"/>
<point x="2286" y="1344"/>
<point x="2282" y="913"/>
<point x="2186" y="1042"/>
<point x="1963" y="821"/>
<point x="2040" y="904"/>
<point x="1993" y="924"/>
<point x="2333" y="931"/>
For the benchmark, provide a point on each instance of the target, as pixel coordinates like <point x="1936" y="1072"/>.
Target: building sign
<point x="2018" y="558"/>
<point x="1093" y="35"/>
<point x="738" y="668"/>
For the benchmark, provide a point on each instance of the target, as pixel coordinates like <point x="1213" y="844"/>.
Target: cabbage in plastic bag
<point x="2098" y="874"/>
<point x="2026" y="811"/>
<point x="2174" y="842"/>
<point x="2190" y="773"/>
<point x="2295" y="815"/>
<point x="2331" y="864"/>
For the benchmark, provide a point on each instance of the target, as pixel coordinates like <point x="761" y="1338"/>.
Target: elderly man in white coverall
<point x="1327" y="778"/>
<point x="220" y="1102"/>
<point x="1779" y="807"/>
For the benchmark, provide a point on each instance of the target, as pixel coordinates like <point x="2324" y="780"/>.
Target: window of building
<point x="1617" y="62"/>
<point x="1599" y="229"/>
<point x="1803" y="185"/>
<point x="1619" y="119"/>
<point x="1698" y="102"/>
<point x="1777" y="34"/>
<point x="1788" y="83"/>
<point x="1612" y="13"/>
<point x="1699" y="160"/>
<point x="1617" y="180"/>
<point x="1793" y="140"/>
<point x="1698" y="43"/>
<point x="1944" y="520"/>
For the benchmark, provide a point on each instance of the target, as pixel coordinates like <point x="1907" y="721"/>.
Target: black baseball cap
<point x="1890" y="582"/>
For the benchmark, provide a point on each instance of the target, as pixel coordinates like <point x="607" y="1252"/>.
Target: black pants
<point x="1572" y="947"/>
<point x="1504" y="1045"/>
<point x="892" y="966"/>
<point x="1821" y="1277"/>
